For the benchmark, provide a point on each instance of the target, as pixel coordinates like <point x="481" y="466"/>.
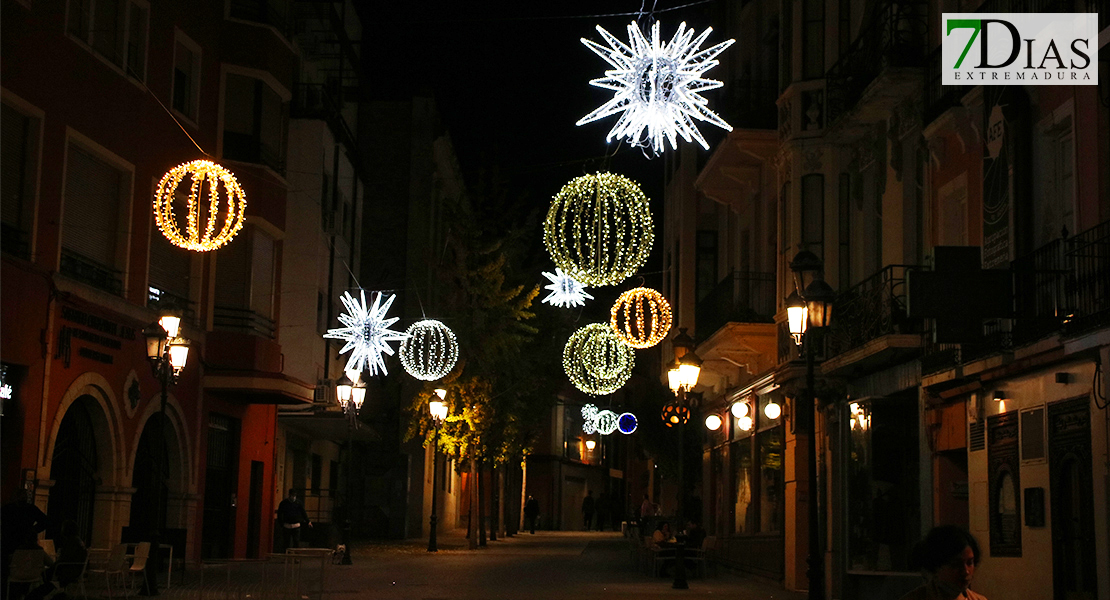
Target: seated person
<point x="662" y="536"/>
<point x="69" y="564"/>
<point x="695" y="535"/>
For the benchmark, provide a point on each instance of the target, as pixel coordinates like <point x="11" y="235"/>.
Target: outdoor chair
<point x="660" y="557"/>
<point x="137" y="571"/>
<point x="77" y="569"/>
<point x="26" y="570"/>
<point x="116" y="566"/>
<point x="696" y="557"/>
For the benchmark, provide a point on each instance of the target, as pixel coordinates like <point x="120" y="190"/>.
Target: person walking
<point x="947" y="558"/>
<point x="531" y="513"/>
<point x="292" y="516"/>
<point x="588" y="509"/>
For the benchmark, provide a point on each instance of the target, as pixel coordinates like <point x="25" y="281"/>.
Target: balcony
<point x="325" y="103"/>
<point x="163" y="301"/>
<point x="881" y="68"/>
<point x="1087" y="257"/>
<point x="741" y="297"/>
<point x="85" y="270"/>
<point x="869" y="327"/>
<point x="242" y="320"/>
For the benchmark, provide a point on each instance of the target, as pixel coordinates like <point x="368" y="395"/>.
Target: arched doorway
<point x="151" y="475"/>
<point x="73" y="468"/>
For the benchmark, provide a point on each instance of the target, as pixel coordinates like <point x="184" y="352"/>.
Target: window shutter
<point x="233" y="270"/>
<point x="169" y="265"/>
<point x="262" y="290"/>
<point x="90" y="224"/>
<point x="13" y="162"/>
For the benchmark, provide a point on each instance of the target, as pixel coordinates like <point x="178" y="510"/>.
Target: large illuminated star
<point x="367" y="332"/>
<point x="566" y="291"/>
<point x="658" y="86"/>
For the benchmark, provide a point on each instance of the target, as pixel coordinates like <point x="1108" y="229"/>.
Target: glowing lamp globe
<point x="739" y="409"/>
<point x="598" y="229"/>
<point x="745" y="423"/>
<point x="773" y="410"/>
<point x="641" y="317"/>
<point x="430" y="350"/>
<point x="213" y="202"/>
<point x="713" y="422"/>
<point x="590" y="444"/>
<point x="675" y="414"/>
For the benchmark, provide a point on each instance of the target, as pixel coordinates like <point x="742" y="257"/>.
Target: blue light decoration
<point x="627" y="423"/>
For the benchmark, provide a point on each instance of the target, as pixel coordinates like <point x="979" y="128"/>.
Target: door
<point x="218" y="533"/>
<point x="1071" y="481"/>
<point x="254" y="510"/>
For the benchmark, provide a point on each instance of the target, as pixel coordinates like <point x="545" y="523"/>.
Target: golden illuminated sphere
<point x="213" y="197"/>
<point x="596" y="360"/>
<point x="641" y="317"/>
<point x="675" y="414"/>
<point x="598" y="229"/>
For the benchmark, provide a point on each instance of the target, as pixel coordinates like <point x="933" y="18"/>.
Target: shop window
<point x="254" y="122"/>
<point x="114" y="29"/>
<point x="771" y="486"/>
<point x="743" y="487"/>
<point x="19" y="148"/>
<point x="882" y="484"/>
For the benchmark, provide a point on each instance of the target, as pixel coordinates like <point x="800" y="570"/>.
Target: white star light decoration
<point x="367" y="332"/>
<point x="566" y="291"/>
<point x="658" y="86"/>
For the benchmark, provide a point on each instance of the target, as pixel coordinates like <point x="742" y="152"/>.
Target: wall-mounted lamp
<point x="713" y="422"/>
<point x="1001" y="395"/>
<point x="744" y="423"/>
<point x="773" y="410"/>
<point x="590" y="444"/>
<point x="740" y="409"/>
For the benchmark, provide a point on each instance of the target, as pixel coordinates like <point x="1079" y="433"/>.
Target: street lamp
<point x="682" y="377"/>
<point x="817" y="295"/>
<point x="350" y="392"/>
<point x="438" y="410"/>
<point x="168" y="353"/>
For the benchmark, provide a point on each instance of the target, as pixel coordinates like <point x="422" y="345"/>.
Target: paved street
<point x="547" y="565"/>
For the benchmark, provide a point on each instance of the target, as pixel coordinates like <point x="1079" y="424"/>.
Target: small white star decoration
<point x="658" y="86"/>
<point x="367" y="332"/>
<point x="566" y="291"/>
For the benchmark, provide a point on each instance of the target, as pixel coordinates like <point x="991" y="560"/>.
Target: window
<point x="706" y="273"/>
<point x="845" y="233"/>
<point x="786" y="67"/>
<point x="169" y="274"/>
<point x="115" y="29"/>
<point x="743" y="487"/>
<point x="333" y="477"/>
<point x="19" y="148"/>
<point x="186" y="76"/>
<point x="813" y="214"/>
<point x="254" y="122"/>
<point x="93" y="220"/>
<point x="317" y="472"/>
<point x="813" y="39"/>
<point x="245" y="284"/>
<point x="1054" y="200"/>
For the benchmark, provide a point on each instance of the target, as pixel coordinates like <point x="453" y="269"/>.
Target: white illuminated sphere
<point x="739" y="409"/>
<point x="745" y="423"/>
<point x="430" y="352"/>
<point x="589" y="419"/>
<point x="566" y="291"/>
<point x="367" y="332"/>
<point x="772" y="410"/>
<point x="606" y="422"/>
<point x="657" y="87"/>
<point x="713" y="422"/>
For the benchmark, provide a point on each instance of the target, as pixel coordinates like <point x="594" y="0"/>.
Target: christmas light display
<point x="628" y="320"/>
<point x="598" y="229"/>
<point x="565" y="290"/>
<point x="589" y="419"/>
<point x="430" y="351"/>
<point x="606" y="422"/>
<point x="596" y="360"/>
<point x="657" y="86"/>
<point x="627" y="423"/>
<point x="201" y="215"/>
<point x="367" y="332"/>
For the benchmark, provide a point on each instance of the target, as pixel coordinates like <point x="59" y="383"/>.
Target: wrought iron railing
<point x="741" y="297"/>
<point x="1088" y="287"/>
<point x="895" y="37"/>
<point x="91" y="272"/>
<point x="871" y="309"/>
<point x="938" y="357"/>
<point x="162" y="300"/>
<point x="243" y="320"/>
<point x="1040" y="305"/>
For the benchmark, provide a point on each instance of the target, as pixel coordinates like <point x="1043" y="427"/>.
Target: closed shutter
<point x="13" y="163"/>
<point x="90" y="224"/>
<point x="169" y="266"/>
<point x="233" y="272"/>
<point x="262" y="290"/>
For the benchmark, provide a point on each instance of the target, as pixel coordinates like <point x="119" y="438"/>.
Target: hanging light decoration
<point x="206" y="179"/>
<point x="589" y="419"/>
<point x="675" y="414"/>
<point x="565" y="290"/>
<point x="367" y="332"/>
<point x="627" y="423"/>
<point x="657" y="87"/>
<point x="596" y="360"/>
<point x="430" y="350"/>
<point x="598" y="229"/>
<point x="628" y="317"/>
<point x="606" y="422"/>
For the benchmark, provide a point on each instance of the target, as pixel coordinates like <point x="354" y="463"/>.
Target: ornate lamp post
<point x="350" y="392"/>
<point x="682" y="376"/>
<point x="167" y="353"/>
<point x="809" y="308"/>
<point x="438" y="411"/>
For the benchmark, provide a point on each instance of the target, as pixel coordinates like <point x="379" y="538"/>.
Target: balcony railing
<point x="91" y="272"/>
<point x="871" y="309"/>
<point x="1040" y="304"/>
<point x="242" y="320"/>
<point x="741" y="297"/>
<point x="161" y="300"/>
<point x="896" y="37"/>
